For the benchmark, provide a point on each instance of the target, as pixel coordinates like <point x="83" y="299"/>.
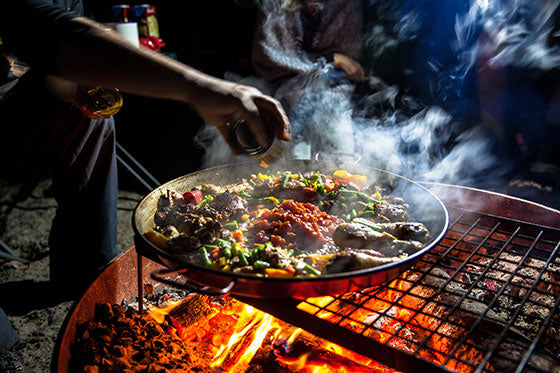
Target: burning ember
<point x="206" y="334"/>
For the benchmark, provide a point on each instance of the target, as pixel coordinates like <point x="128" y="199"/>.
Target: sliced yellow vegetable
<point x="360" y="180"/>
<point x="341" y="174"/>
<point x="156" y="238"/>
<point x="263" y="176"/>
<point x="245" y="217"/>
<point x="273" y="200"/>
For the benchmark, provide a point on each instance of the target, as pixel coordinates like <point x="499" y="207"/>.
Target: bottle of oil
<point x="101" y="102"/>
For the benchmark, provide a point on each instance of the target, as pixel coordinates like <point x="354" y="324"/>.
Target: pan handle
<point x="159" y="274"/>
<point x="326" y="155"/>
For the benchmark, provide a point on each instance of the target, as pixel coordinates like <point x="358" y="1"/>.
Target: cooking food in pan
<point x="287" y="224"/>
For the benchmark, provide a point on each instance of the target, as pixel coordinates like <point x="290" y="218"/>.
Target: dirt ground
<point x="35" y="316"/>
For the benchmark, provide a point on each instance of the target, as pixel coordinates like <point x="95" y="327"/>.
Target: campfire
<point x="202" y="333"/>
<point x="484" y="299"/>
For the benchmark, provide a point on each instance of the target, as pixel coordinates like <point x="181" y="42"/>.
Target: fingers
<point x="272" y="111"/>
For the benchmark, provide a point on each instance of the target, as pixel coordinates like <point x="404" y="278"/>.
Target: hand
<point x="349" y="66"/>
<point x="223" y="102"/>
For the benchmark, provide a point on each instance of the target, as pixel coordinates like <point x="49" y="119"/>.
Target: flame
<point x="159" y="314"/>
<point x="235" y="333"/>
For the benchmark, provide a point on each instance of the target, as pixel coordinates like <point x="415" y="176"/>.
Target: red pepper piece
<point x="194" y="196"/>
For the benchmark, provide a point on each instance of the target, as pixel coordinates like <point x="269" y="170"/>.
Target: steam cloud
<point x="425" y="119"/>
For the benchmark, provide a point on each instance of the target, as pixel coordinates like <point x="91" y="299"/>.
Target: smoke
<point x="418" y="113"/>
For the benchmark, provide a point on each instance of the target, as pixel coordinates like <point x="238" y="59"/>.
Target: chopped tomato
<point x="237" y="236"/>
<point x="194" y="196"/>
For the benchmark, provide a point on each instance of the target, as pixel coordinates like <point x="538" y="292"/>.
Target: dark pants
<point x="8" y="336"/>
<point x="40" y="133"/>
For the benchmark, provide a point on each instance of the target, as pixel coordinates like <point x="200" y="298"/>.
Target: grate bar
<point x="518" y="310"/>
<point x="482" y="274"/>
<point x="464" y="296"/>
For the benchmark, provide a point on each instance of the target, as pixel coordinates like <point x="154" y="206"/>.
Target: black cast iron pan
<point x="425" y="207"/>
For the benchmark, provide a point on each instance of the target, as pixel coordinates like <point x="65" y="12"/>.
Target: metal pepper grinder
<point x="245" y="142"/>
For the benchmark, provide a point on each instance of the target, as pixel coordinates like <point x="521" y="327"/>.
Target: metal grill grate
<point x="485" y="299"/>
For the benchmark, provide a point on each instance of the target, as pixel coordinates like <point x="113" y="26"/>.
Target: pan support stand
<point x="139" y="266"/>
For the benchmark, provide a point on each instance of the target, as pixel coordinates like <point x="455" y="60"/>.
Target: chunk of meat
<point x="399" y="247"/>
<point x="355" y="260"/>
<point x="390" y="212"/>
<point x="360" y="236"/>
<point x="214" y="189"/>
<point x="172" y="215"/>
<point x="169" y="198"/>
<point x="277" y="257"/>
<point x="407" y="231"/>
<point x="263" y="188"/>
<point x="229" y="205"/>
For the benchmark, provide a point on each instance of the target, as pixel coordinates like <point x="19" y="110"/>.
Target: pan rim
<point x="183" y="264"/>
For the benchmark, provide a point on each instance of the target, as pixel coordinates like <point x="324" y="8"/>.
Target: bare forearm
<point x="98" y="56"/>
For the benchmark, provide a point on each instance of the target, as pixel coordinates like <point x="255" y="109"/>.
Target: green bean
<point x="260" y="264"/>
<point x="253" y="255"/>
<point x="244" y="194"/>
<point x="231" y="224"/>
<point x="206" y="260"/>
<point x="222" y="243"/>
<point x="242" y="258"/>
<point x="311" y="270"/>
<point x="361" y="195"/>
<point x="285" y="181"/>
<point x="366" y="213"/>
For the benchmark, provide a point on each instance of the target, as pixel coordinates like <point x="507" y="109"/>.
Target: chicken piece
<point x="263" y="188"/>
<point x="172" y="215"/>
<point x="276" y="256"/>
<point x="169" y="198"/>
<point x="360" y="236"/>
<point x="169" y="231"/>
<point x="214" y="190"/>
<point x="203" y="228"/>
<point x="407" y="231"/>
<point x="399" y="247"/>
<point x="355" y="260"/>
<point x="390" y="212"/>
<point x="229" y="205"/>
<point x="183" y="243"/>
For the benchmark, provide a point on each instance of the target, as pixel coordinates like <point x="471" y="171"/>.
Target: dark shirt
<point x="29" y="30"/>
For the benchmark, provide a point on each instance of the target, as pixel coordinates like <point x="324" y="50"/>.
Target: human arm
<point x="85" y="52"/>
